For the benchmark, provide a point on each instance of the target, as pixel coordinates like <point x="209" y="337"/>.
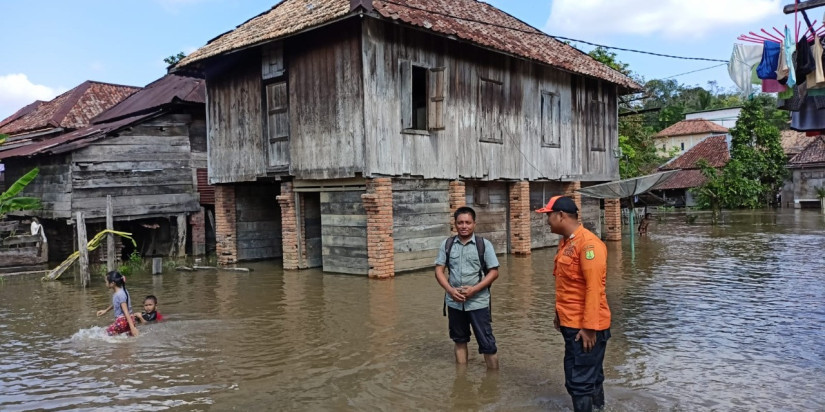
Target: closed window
<point x="550" y="120"/>
<point x="597" y="126"/>
<point x="277" y="123"/>
<point x="490" y="97"/>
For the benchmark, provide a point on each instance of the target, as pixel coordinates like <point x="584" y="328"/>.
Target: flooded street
<point x="728" y="317"/>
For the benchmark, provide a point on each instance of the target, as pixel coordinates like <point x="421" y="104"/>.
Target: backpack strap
<point x="448" y="246"/>
<point x="481" y="248"/>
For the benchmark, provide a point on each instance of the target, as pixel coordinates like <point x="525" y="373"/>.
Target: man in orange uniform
<point x="582" y="314"/>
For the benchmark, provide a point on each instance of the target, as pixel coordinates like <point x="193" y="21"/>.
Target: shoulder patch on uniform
<point x="590" y="254"/>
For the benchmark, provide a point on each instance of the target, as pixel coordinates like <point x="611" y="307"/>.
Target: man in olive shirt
<point x="468" y="288"/>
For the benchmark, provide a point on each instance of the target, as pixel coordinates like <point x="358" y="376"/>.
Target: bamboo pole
<point x="83" y="249"/>
<point x="181" y="235"/>
<point x="110" y="238"/>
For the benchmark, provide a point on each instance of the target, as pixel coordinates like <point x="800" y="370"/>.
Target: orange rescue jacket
<point x="581" y="273"/>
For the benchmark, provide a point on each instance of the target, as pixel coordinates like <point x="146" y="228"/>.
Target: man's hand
<point x="588" y="338"/>
<point x="457" y="295"/>
<point x="467" y="291"/>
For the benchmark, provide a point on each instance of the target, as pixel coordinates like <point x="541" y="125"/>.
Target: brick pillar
<point x="380" y="246"/>
<point x="289" y="226"/>
<point x="198" y="223"/>
<point x="613" y="219"/>
<point x="226" y="229"/>
<point x="457" y="199"/>
<point x="570" y="189"/>
<point x="520" y="237"/>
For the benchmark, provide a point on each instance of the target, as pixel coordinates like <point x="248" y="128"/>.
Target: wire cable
<point x="694" y="71"/>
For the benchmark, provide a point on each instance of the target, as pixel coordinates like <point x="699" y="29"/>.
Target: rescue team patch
<point x="590" y="254"/>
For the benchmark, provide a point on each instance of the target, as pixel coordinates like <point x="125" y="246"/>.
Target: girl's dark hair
<point x="119" y="281"/>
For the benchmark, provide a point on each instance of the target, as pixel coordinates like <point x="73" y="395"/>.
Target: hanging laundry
<point x="742" y="61"/>
<point x="770" y="60"/>
<point x="789" y="48"/>
<point x="773" y="86"/>
<point x="804" y="59"/>
<point x="808" y="117"/>
<point x="782" y="69"/>
<point x="816" y="79"/>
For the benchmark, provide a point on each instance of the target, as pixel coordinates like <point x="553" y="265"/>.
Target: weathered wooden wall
<point x="591" y="215"/>
<point x="456" y="150"/>
<point x="237" y="150"/>
<point x="311" y="228"/>
<point x="326" y="103"/>
<point x="53" y="185"/>
<point x="258" y="220"/>
<point x="146" y="170"/>
<point x="540" y="193"/>
<point x="421" y="221"/>
<point x="491" y="202"/>
<point x="344" y="232"/>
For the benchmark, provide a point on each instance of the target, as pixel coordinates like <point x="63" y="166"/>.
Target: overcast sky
<point x="50" y="46"/>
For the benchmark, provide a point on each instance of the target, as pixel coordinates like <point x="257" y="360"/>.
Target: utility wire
<point x="541" y="33"/>
<point x="694" y="71"/>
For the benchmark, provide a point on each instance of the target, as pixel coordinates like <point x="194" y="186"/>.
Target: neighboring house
<point x="145" y="151"/>
<point x="683" y="135"/>
<point x="714" y="149"/>
<point x="807" y="170"/>
<point x="371" y="121"/>
<point x="793" y="142"/>
<point x="726" y="117"/>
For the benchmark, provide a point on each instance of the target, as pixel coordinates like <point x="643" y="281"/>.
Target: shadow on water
<point x="705" y="317"/>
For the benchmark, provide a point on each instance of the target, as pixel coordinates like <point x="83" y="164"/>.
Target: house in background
<point x="685" y="134"/>
<point x="726" y="117"/>
<point x="714" y="149"/>
<point x="343" y="133"/>
<point x="147" y="152"/>
<point x="807" y="170"/>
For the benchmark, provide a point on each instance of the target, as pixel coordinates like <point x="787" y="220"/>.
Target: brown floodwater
<point x="726" y="317"/>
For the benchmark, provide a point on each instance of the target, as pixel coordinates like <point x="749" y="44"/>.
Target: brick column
<point x="457" y="199"/>
<point x="198" y="223"/>
<point x="380" y="246"/>
<point x="570" y="189"/>
<point x="613" y="219"/>
<point x="289" y="226"/>
<point x="520" y="236"/>
<point x="226" y="229"/>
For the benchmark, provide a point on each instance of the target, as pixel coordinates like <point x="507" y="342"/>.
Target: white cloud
<point x="670" y="18"/>
<point x="17" y="91"/>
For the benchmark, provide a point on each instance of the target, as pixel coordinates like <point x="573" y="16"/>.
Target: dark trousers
<point x="583" y="371"/>
<point x="481" y="322"/>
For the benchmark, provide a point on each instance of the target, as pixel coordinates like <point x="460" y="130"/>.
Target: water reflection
<point x="705" y="317"/>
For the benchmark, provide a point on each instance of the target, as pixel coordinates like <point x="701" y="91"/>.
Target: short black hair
<point x="152" y="298"/>
<point x="465" y="210"/>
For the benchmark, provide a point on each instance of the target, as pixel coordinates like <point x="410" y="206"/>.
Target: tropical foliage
<point x="10" y="201"/>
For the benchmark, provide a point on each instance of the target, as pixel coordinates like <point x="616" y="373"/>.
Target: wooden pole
<point x="181" y="235"/>
<point x="803" y="5"/>
<point x="110" y="238"/>
<point x="157" y="266"/>
<point x="81" y="246"/>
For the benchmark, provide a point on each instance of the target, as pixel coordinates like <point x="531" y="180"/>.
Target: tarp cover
<point x="627" y="187"/>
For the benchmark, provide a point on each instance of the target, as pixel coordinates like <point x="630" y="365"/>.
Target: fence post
<point x="81" y="247"/>
<point x="110" y="238"/>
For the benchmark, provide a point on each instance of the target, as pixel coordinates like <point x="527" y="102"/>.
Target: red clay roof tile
<point x="814" y="152"/>
<point x="713" y="149"/>
<point x="692" y="126"/>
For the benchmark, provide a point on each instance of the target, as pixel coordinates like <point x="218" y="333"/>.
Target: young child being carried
<point x="150" y="313"/>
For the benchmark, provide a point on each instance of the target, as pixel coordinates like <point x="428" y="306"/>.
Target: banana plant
<point x="9" y="201"/>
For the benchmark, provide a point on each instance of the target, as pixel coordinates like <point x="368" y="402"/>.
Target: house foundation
<point x="378" y="204"/>
<point x="226" y="225"/>
<point x="613" y="220"/>
<point x="520" y="236"/>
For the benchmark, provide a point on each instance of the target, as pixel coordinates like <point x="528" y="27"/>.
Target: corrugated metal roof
<point x="468" y="20"/>
<point x="73" y="109"/>
<point x="692" y="126"/>
<point x="813" y="153"/>
<point x="22" y="112"/>
<point x="171" y="88"/>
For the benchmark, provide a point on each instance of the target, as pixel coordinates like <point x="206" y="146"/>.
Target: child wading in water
<point x="121" y="304"/>
<point x="150" y="313"/>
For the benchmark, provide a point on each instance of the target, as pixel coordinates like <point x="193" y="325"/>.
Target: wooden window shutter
<point x="596" y="130"/>
<point x="278" y="111"/>
<point x="435" y="115"/>
<point x="272" y="60"/>
<point x="405" y="94"/>
<point x="550" y="119"/>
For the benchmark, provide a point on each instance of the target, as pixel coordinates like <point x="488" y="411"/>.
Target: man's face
<point x="554" y="221"/>
<point x="465" y="225"/>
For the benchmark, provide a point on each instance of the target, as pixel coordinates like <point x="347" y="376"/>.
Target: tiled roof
<point x="172" y="88"/>
<point x="814" y="152"/>
<point x="683" y="179"/>
<point x="692" y="126"/>
<point x="469" y="20"/>
<point x="713" y="149"/>
<point x="793" y="141"/>
<point x="72" y="110"/>
<point x="22" y="112"/>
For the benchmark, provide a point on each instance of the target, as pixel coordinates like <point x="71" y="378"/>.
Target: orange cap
<point x="559" y="204"/>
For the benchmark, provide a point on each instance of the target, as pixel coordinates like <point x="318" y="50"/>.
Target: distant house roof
<point x="793" y="141"/>
<point x="172" y="88"/>
<point x="72" y="110"/>
<point x="468" y="20"/>
<point x="813" y="153"/>
<point x="713" y="149"/>
<point x="146" y="103"/>
<point x="22" y="112"/>
<point x="692" y="126"/>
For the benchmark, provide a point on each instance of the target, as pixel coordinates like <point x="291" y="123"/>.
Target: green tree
<point x="174" y="59"/>
<point x="10" y="201"/>
<point x="609" y="58"/>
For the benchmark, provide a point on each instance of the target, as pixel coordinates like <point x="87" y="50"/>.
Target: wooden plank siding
<point x="146" y="169"/>
<point x="53" y="185"/>
<point x="540" y="193"/>
<point x="326" y="103"/>
<point x="491" y="202"/>
<point x="258" y="220"/>
<point x="457" y="150"/>
<point x="421" y="221"/>
<point x="344" y="233"/>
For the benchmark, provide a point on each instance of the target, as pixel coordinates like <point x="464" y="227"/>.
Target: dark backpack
<point x="480" y="247"/>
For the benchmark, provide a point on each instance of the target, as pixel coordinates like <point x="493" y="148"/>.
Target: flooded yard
<point x="727" y="317"/>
